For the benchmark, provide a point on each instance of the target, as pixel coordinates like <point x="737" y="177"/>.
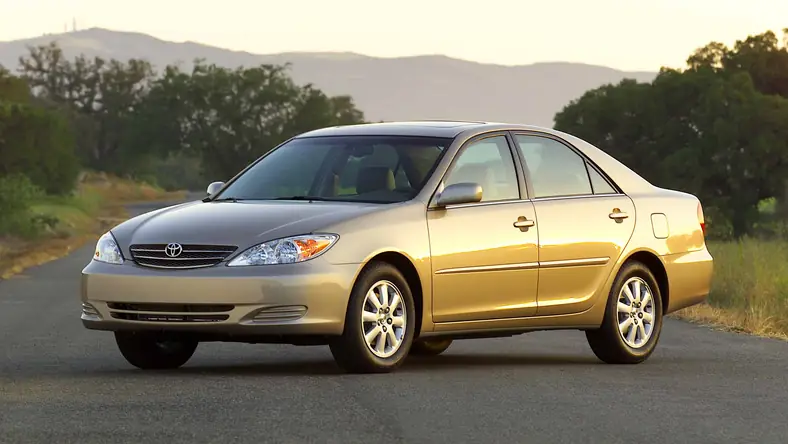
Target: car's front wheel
<point x="150" y="351"/>
<point x="379" y="323"/>
<point x="633" y="318"/>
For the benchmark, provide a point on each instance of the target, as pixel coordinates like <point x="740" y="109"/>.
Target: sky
<point x="623" y="34"/>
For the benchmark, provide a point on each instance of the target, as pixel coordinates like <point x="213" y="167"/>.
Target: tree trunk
<point x="740" y="224"/>
<point x="782" y="203"/>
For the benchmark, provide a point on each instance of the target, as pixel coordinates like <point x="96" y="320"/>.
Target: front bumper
<point x="309" y="298"/>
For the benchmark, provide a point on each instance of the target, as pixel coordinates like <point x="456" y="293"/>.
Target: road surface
<point x="62" y="383"/>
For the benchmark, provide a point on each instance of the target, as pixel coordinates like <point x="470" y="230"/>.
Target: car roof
<point x="628" y="180"/>
<point x="417" y="128"/>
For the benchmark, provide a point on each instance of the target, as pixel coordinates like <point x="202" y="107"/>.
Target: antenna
<point x="74" y="24"/>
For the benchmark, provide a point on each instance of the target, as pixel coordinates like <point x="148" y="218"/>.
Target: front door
<point x="584" y="224"/>
<point x="484" y="267"/>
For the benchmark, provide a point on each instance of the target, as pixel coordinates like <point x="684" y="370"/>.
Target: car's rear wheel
<point x="150" y="351"/>
<point x="429" y="347"/>
<point x="633" y="318"/>
<point x="379" y="323"/>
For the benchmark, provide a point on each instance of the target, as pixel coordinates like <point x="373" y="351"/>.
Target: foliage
<point x="101" y="97"/>
<point x="718" y="129"/>
<point x="35" y="141"/>
<point x="16" y="193"/>
<point x="230" y="117"/>
<point x="130" y="118"/>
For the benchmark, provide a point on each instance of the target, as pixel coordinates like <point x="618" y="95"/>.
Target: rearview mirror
<point x="214" y="188"/>
<point x="460" y="193"/>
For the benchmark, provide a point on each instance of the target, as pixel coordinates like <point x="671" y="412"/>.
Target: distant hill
<point x="419" y="87"/>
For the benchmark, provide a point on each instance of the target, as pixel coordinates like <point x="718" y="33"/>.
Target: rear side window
<point x="598" y="183"/>
<point x="556" y="170"/>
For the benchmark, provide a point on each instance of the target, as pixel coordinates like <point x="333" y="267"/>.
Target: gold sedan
<point x="384" y="240"/>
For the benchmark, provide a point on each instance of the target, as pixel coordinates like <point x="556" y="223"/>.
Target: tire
<point x="351" y="350"/>
<point x="429" y="347"/>
<point x="152" y="352"/>
<point x="608" y="342"/>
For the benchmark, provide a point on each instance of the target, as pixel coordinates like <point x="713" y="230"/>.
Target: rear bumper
<point x="689" y="277"/>
<point x="295" y="299"/>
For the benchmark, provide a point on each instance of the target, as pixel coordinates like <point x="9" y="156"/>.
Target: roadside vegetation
<point x="749" y="290"/>
<point x="37" y="227"/>
<point x="717" y="129"/>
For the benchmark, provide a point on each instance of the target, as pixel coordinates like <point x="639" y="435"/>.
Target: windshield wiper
<point x="226" y="199"/>
<point x="317" y="198"/>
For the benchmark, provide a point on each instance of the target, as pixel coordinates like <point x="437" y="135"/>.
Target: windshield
<point x="378" y="169"/>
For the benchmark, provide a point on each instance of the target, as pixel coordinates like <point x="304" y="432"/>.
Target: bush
<point x="17" y="194"/>
<point x="38" y="143"/>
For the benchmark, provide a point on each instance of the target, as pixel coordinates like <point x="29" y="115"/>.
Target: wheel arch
<point x="653" y="262"/>
<point x="411" y="275"/>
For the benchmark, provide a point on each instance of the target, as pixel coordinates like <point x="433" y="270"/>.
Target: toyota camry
<point x="390" y="239"/>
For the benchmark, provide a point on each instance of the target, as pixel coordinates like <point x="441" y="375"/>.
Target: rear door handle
<point x="618" y="215"/>
<point x="523" y="222"/>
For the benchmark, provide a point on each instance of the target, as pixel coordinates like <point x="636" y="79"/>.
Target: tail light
<point x="701" y="219"/>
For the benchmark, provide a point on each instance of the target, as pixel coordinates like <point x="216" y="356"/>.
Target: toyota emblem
<point x="173" y="250"/>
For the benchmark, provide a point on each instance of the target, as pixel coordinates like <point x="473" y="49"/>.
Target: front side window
<point x="379" y="169"/>
<point x="487" y="162"/>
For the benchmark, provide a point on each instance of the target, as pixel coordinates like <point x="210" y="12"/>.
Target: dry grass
<point x="97" y="204"/>
<point x="750" y="288"/>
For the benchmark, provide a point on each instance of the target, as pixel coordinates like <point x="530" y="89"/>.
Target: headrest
<point x="374" y="178"/>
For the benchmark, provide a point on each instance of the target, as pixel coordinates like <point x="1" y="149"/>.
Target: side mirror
<point x="214" y="188"/>
<point x="460" y="193"/>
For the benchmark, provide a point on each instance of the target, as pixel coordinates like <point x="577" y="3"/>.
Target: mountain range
<point x="398" y="88"/>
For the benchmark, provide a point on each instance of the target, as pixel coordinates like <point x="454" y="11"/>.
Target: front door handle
<point x="618" y="215"/>
<point x="523" y="222"/>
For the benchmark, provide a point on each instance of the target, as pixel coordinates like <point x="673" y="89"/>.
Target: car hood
<point x="242" y="224"/>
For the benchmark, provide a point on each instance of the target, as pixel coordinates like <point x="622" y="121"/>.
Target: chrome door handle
<point x="524" y="223"/>
<point x="618" y="215"/>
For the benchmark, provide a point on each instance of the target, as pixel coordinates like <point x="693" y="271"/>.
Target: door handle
<point x="618" y="215"/>
<point x="523" y="222"/>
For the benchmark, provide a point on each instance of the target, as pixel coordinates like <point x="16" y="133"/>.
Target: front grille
<point x="170" y="312"/>
<point x="191" y="256"/>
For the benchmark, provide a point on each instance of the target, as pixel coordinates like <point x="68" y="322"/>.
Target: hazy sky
<point x="626" y="34"/>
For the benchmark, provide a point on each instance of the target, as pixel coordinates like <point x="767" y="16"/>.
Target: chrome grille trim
<point x="166" y="312"/>
<point x="191" y="256"/>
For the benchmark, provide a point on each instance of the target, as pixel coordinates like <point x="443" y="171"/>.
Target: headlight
<point x="286" y="251"/>
<point x="107" y="250"/>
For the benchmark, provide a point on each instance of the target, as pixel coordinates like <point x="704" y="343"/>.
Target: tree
<point x="765" y="60"/>
<point x="38" y="143"/>
<point x="13" y="89"/>
<point x="101" y="98"/>
<point x="129" y="120"/>
<point x="229" y="117"/>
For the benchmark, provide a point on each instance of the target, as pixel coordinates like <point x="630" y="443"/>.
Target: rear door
<point x="584" y="222"/>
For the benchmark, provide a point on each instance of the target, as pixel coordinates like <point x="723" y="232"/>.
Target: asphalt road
<point x="62" y="383"/>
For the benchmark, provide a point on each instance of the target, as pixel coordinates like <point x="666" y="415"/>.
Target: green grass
<point x="749" y="289"/>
